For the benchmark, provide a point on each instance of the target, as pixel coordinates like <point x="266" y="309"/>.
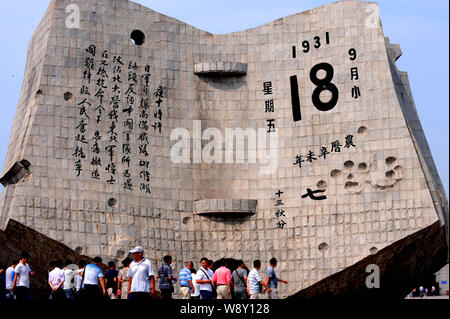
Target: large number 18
<point x="323" y="84"/>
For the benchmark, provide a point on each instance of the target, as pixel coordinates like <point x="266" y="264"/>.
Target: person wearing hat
<point x="141" y="276"/>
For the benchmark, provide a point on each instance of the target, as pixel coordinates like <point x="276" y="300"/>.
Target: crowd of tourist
<point x="136" y="280"/>
<point x="423" y="292"/>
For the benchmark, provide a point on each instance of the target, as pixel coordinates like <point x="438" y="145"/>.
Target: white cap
<point x="137" y="249"/>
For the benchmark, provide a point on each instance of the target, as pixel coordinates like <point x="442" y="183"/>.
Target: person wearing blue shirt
<point x="9" y="278"/>
<point x="272" y="280"/>
<point x="166" y="278"/>
<point x="186" y="283"/>
<point x="93" y="275"/>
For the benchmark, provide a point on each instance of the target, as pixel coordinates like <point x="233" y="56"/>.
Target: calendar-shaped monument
<point x="298" y="139"/>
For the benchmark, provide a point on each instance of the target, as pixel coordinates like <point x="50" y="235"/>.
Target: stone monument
<point x="298" y="139"/>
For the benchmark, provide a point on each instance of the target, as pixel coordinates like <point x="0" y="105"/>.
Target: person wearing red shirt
<point x="222" y="281"/>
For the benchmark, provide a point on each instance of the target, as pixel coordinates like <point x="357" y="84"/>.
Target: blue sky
<point x="420" y="27"/>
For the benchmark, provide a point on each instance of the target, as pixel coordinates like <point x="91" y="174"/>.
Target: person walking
<point x="272" y="280"/>
<point x="187" y="287"/>
<point x="141" y="276"/>
<point x="239" y="279"/>
<point x="166" y="278"/>
<point x="222" y="281"/>
<point x="111" y="280"/>
<point x="123" y="280"/>
<point x="56" y="281"/>
<point x="9" y="278"/>
<point x="92" y="278"/>
<point x="254" y="281"/>
<point x="204" y="279"/>
<point x="68" y="286"/>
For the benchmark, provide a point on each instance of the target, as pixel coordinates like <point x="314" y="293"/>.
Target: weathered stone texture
<point x="378" y="192"/>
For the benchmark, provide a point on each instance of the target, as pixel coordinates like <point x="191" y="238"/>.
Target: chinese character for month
<point x="354" y="74"/>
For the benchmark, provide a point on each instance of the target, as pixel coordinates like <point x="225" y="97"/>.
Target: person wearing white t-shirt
<point x="69" y="275"/>
<point x="141" y="276"/>
<point x="254" y="280"/>
<point x="196" y="294"/>
<point x="79" y="280"/>
<point x="56" y="280"/>
<point x="9" y="278"/>
<point x="21" y="283"/>
<point x="204" y="279"/>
